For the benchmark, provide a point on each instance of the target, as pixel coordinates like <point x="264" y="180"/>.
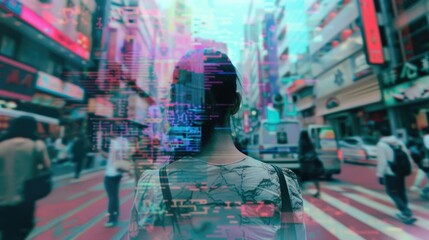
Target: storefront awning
<point x="38" y="117"/>
<point x="361" y="93"/>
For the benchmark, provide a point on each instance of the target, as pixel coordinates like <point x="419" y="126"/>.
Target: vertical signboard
<point x="371" y="32"/>
<point x="246" y="122"/>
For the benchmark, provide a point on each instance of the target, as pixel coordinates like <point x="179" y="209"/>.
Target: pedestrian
<point x="393" y="166"/>
<point x="212" y="189"/>
<point x="119" y="152"/>
<point x="424" y="164"/>
<point x="62" y="146"/>
<point x="80" y="148"/>
<point x="417" y="153"/>
<point x="311" y="168"/>
<point x="20" y="148"/>
<point x="140" y="156"/>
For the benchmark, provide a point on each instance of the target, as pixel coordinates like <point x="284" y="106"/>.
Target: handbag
<point x="288" y="229"/>
<point x="41" y="184"/>
<point x="311" y="166"/>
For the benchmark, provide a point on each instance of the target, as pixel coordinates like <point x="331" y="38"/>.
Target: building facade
<point x="45" y="47"/>
<point x="404" y="80"/>
<point x="335" y="84"/>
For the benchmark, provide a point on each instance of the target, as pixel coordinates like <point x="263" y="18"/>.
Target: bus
<point x="276" y="143"/>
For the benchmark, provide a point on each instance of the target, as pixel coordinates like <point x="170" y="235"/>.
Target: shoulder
<point x="147" y="178"/>
<point x="382" y="144"/>
<point x="294" y="190"/>
<point x="40" y="144"/>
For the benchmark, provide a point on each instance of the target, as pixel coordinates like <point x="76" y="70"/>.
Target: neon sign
<point x="36" y="21"/>
<point x="374" y="46"/>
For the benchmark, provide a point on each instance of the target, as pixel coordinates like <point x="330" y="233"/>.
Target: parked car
<point x="359" y="149"/>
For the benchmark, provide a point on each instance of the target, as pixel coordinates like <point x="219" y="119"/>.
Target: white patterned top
<point x="240" y="200"/>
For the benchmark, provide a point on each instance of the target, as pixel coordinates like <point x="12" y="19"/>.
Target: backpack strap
<point x="287" y="210"/>
<point x="166" y="194"/>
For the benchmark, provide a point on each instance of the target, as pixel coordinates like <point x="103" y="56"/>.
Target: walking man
<point x="79" y="151"/>
<point x="393" y="166"/>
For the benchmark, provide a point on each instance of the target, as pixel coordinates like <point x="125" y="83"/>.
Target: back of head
<point x="24" y="126"/>
<point x="385" y="131"/>
<point x="203" y="95"/>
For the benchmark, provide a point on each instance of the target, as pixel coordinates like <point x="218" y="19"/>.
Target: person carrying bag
<point x="24" y="177"/>
<point x="40" y="185"/>
<point x="118" y="163"/>
<point x="311" y="166"/>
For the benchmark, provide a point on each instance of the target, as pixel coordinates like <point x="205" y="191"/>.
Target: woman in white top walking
<point x="119" y="150"/>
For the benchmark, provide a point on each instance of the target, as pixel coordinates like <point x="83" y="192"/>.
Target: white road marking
<point x="329" y="223"/>
<point x="423" y="223"/>
<point x="385" y="228"/>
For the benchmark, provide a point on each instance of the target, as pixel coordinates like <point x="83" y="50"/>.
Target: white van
<point x="276" y="143"/>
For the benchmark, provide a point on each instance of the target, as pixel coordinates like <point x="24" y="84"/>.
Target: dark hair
<point x="203" y="90"/>
<point x="24" y="126"/>
<point x="426" y="130"/>
<point x="385" y="131"/>
<point x="305" y="143"/>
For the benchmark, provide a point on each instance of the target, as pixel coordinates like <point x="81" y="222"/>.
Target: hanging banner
<point x="371" y="32"/>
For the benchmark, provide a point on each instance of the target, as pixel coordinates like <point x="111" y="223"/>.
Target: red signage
<point x="16" y="79"/>
<point x="36" y="21"/>
<point x="371" y="31"/>
<point x="246" y="122"/>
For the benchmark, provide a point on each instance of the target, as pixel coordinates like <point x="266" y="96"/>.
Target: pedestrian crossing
<point x="371" y="208"/>
<point x="76" y="210"/>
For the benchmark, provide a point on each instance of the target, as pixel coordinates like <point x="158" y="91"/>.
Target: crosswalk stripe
<point x="387" y="198"/>
<point x="387" y="229"/>
<point x="329" y="223"/>
<point x="99" y="218"/>
<point x="423" y="223"/>
<point x="37" y="231"/>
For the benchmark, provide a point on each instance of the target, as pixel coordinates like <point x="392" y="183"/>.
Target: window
<point x="370" y="141"/>
<point x="8" y="46"/>
<point x="281" y="138"/>
<point x="351" y="141"/>
<point x="415" y="38"/>
<point x="403" y="5"/>
<point x="256" y="139"/>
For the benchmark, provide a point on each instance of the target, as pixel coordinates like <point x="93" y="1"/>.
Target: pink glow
<point x="17" y="64"/>
<point x="4" y="93"/>
<point x="46" y="28"/>
<point x="73" y="91"/>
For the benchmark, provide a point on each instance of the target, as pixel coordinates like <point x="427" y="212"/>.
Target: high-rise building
<point x="45" y="47"/>
<point x="334" y="83"/>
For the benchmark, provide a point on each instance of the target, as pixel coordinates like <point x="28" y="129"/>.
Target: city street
<point x="352" y="206"/>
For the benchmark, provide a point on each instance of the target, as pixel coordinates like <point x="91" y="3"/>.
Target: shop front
<point x="17" y="91"/>
<point x="406" y="93"/>
<point x="348" y="96"/>
<point x="64" y="97"/>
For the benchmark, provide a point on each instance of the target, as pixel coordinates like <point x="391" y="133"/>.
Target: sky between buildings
<point x="224" y="21"/>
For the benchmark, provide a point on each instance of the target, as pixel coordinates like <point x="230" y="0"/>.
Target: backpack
<point x="401" y="165"/>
